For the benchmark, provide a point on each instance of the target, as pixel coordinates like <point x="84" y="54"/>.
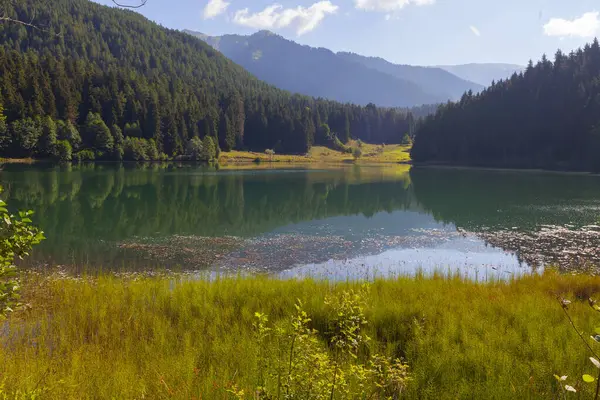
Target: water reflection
<point x="295" y="220"/>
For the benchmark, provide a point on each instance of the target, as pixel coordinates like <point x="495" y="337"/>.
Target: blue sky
<point x="418" y="32"/>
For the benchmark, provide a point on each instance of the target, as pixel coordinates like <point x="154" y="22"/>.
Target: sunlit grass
<point x="171" y="337"/>
<point x="371" y="154"/>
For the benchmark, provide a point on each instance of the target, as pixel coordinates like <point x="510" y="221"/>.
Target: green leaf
<point x="588" y="378"/>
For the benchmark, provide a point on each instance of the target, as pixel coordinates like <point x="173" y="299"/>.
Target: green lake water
<point x="347" y="221"/>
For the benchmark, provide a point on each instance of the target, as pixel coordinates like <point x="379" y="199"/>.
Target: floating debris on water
<point x="569" y="248"/>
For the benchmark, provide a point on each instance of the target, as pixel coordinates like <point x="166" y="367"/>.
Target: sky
<point x="417" y="32"/>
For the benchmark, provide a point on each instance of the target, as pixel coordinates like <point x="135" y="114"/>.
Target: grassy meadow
<point x="110" y="337"/>
<point x="371" y="153"/>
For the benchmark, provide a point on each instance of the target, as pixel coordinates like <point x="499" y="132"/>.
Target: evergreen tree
<point x="25" y="134"/>
<point x="68" y="131"/>
<point x="547" y="117"/>
<point x="64" y="151"/>
<point x="5" y="139"/>
<point x="162" y="85"/>
<point x="209" y="150"/>
<point x="47" y="142"/>
<point x="97" y="134"/>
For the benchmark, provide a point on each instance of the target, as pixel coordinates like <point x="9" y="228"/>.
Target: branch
<point x="29" y="24"/>
<point x="16" y="21"/>
<point x="142" y="4"/>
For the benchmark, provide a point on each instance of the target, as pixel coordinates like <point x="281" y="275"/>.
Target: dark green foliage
<point x="193" y="150"/>
<point x="64" y="151"/>
<point x="133" y="130"/>
<point x="47" y="142"/>
<point x="25" y="134"/>
<point x="114" y="68"/>
<point x="209" y="149"/>
<point x="97" y="134"/>
<point x="5" y="139"/>
<point x="84" y="155"/>
<point x="117" y="135"/>
<point x="137" y="149"/>
<point x="547" y="117"/>
<point x="68" y="131"/>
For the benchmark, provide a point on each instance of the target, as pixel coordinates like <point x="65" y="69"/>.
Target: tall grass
<point x="163" y="338"/>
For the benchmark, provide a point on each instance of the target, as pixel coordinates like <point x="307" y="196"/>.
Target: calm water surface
<point x="334" y="222"/>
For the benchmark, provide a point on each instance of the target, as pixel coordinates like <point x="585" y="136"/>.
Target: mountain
<point x="108" y="83"/>
<point x="318" y="72"/>
<point x="483" y="74"/>
<point x="433" y="80"/>
<point x="547" y="117"/>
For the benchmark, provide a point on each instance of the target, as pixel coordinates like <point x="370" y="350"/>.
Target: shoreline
<point x="501" y="169"/>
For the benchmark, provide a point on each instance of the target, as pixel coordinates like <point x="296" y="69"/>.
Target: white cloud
<point x="303" y="19"/>
<point x="586" y="26"/>
<point x="388" y="5"/>
<point x="475" y="30"/>
<point x="214" y="8"/>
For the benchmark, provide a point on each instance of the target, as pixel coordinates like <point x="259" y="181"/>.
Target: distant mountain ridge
<point x="483" y="74"/>
<point x="317" y="72"/>
<point x="430" y="79"/>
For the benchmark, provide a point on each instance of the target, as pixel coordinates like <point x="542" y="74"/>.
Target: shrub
<point x="84" y="155"/>
<point x="193" y="149"/>
<point x="68" y="131"/>
<point x="64" y="151"/>
<point x="25" y="134"/>
<point x="294" y="363"/>
<point x="17" y="237"/>
<point x="357" y="153"/>
<point x="134" y="149"/>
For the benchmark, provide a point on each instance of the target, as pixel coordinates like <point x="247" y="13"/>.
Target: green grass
<point x="163" y="338"/>
<point x="319" y="154"/>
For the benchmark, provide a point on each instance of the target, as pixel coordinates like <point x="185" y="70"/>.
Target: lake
<point x="336" y="222"/>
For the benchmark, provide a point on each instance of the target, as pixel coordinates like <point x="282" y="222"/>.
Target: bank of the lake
<point x="108" y="337"/>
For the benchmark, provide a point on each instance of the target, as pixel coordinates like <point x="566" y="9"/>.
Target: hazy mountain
<point x="483" y="74"/>
<point x="436" y="81"/>
<point x="318" y="72"/>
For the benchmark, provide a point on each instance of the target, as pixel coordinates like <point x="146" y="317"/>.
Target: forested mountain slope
<point x="433" y="80"/>
<point x="546" y="117"/>
<point x="318" y="72"/>
<point x="114" y="83"/>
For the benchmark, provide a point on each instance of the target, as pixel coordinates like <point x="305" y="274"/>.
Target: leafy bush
<point x="64" y="151"/>
<point x="357" y="153"/>
<point x="193" y="149"/>
<point x="84" y="155"/>
<point x="17" y="237"/>
<point x="68" y="131"/>
<point x="294" y="363"/>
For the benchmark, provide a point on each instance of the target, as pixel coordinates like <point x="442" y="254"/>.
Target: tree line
<point x="104" y="83"/>
<point x="546" y="117"/>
